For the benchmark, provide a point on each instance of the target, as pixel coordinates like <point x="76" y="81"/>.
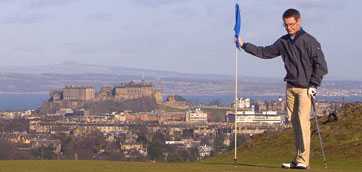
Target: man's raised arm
<point x="267" y="52"/>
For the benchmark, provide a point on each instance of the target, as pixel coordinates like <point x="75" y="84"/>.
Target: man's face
<point x="292" y="25"/>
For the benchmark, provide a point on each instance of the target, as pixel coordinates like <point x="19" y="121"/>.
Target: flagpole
<point x="236" y="104"/>
<point x="237" y="31"/>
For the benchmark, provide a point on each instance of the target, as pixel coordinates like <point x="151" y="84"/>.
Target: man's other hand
<point x="312" y="91"/>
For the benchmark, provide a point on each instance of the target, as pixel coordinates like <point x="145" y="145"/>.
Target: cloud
<point x="24" y="18"/>
<point x="157" y="3"/>
<point x="33" y="4"/>
<point x="29" y="11"/>
<point x="100" y="17"/>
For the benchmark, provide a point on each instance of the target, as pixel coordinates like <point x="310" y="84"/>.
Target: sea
<point x="17" y="102"/>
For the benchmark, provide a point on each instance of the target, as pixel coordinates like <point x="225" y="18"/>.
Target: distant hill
<point x="39" y="79"/>
<point x="74" y="68"/>
<point x="145" y="104"/>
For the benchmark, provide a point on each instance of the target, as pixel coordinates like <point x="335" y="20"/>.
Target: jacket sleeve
<point x="319" y="65"/>
<point x="267" y="52"/>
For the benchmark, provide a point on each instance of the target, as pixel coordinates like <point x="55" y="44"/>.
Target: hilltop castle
<point x="125" y="91"/>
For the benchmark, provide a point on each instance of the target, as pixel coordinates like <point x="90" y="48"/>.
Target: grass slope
<point x="342" y="141"/>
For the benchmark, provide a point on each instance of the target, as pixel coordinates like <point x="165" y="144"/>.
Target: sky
<point x="191" y="36"/>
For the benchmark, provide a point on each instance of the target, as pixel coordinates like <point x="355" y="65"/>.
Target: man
<point x="305" y="67"/>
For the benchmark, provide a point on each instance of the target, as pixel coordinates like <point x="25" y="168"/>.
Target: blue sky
<point x="193" y="36"/>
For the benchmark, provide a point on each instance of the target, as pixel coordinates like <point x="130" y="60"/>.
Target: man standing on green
<point x="305" y="67"/>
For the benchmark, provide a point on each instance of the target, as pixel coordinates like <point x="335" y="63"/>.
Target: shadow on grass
<point x="241" y="164"/>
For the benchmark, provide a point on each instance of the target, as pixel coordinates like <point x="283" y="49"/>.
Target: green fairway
<point x="114" y="166"/>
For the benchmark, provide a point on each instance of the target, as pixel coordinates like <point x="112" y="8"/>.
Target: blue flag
<point x="237" y="20"/>
<point x="237" y="23"/>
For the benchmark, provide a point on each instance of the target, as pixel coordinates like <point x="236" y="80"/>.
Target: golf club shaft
<point x="319" y="132"/>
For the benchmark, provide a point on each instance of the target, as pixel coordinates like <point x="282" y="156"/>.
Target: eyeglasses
<point x="289" y="25"/>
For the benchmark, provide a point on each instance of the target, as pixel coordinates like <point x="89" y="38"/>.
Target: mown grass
<point x="114" y="166"/>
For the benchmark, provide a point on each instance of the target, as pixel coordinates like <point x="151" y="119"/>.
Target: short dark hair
<point x="291" y="12"/>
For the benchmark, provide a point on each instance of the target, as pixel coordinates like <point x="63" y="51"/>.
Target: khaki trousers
<point x="299" y="108"/>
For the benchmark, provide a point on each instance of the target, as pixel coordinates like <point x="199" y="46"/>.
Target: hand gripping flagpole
<point x="237" y="31"/>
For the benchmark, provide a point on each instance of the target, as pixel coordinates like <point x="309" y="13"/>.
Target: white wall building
<point x="196" y="116"/>
<point x="270" y="117"/>
<point x="243" y="103"/>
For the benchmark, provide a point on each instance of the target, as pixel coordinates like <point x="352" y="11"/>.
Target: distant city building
<point x="158" y="97"/>
<point x="269" y="117"/>
<point x="125" y="91"/>
<point x="172" y="117"/>
<point x="196" y="116"/>
<point x="184" y="143"/>
<point x="65" y="111"/>
<point x="142" y="117"/>
<point x="105" y="93"/>
<point x="133" y="90"/>
<point x="56" y="95"/>
<point x="243" y="103"/>
<point x="130" y="91"/>
<point x="177" y="102"/>
<point x="279" y="105"/>
<point x="120" y="116"/>
<point x="78" y="93"/>
<point x="134" y="150"/>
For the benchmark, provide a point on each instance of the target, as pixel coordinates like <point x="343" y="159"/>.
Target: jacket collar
<point x="298" y="34"/>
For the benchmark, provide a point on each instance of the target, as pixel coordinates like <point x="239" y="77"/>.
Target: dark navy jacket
<point x="302" y="56"/>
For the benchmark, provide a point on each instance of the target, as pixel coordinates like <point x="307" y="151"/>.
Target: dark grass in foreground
<point x="114" y="166"/>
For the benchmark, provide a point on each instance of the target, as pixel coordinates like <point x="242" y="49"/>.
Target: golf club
<point x="313" y="97"/>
